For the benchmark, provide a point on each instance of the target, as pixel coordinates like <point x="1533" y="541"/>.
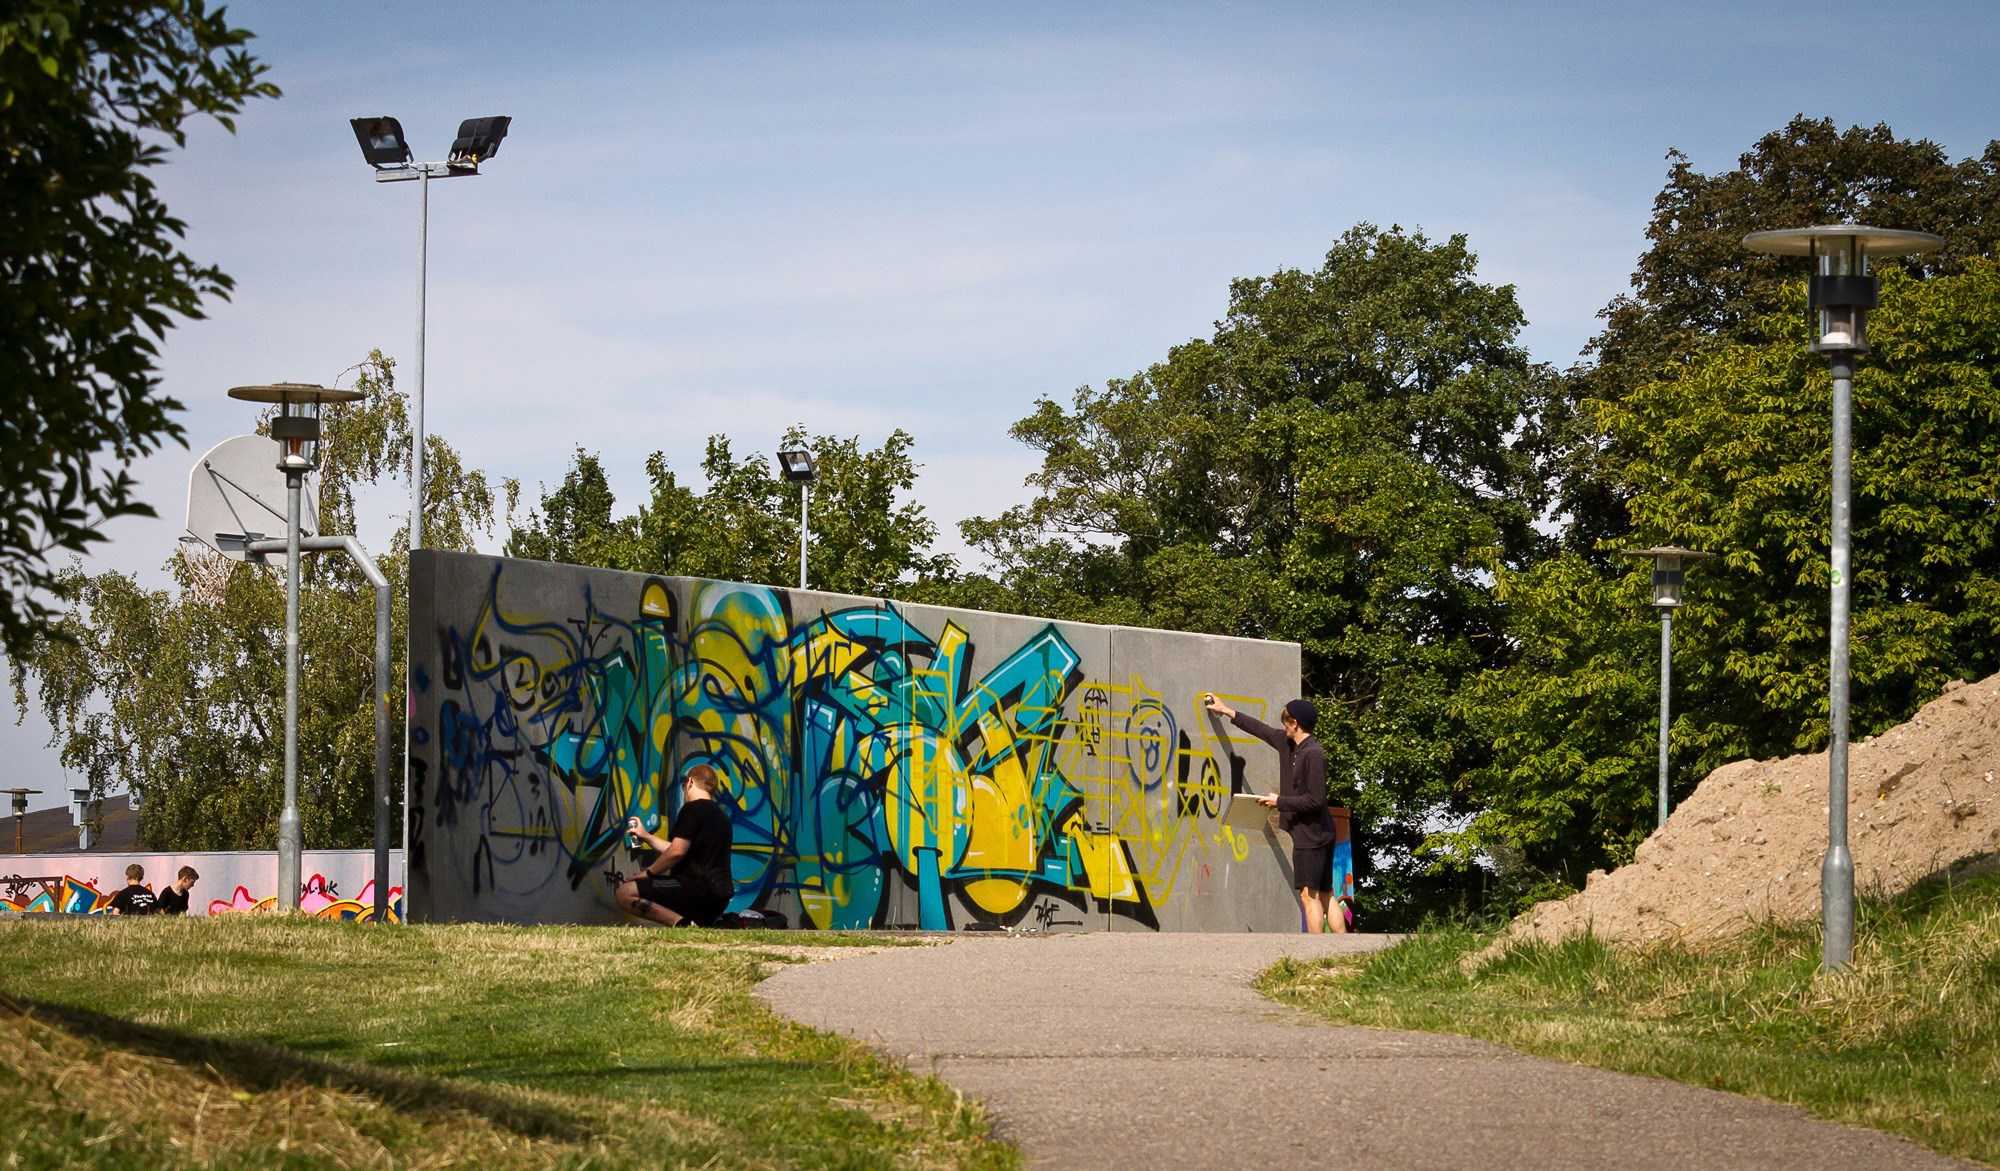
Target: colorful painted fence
<point x="339" y="884"/>
<point x="887" y="765"/>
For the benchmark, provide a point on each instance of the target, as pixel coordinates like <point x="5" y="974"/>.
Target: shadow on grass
<point x="258" y="1067"/>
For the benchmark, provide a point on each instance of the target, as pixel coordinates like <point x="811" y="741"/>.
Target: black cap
<point x="1303" y="713"/>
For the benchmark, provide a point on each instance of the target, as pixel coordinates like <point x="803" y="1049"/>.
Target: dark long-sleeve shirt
<point x="1302" y="807"/>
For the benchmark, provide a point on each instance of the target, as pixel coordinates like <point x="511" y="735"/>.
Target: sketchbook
<point x="1245" y="813"/>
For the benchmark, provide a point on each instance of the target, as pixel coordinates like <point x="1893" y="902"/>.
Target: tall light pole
<point x="296" y="428"/>
<point x="1841" y="291"/>
<point x="797" y="465"/>
<point x="1668" y="578"/>
<point x="385" y="149"/>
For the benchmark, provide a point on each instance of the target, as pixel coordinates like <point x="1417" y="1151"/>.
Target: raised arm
<point x="1275" y="737"/>
<point x="1262" y="731"/>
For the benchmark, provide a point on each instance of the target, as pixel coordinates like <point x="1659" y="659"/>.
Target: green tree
<point x="1696" y="283"/>
<point x="867" y="536"/>
<point x="1732" y="456"/>
<point x="91" y="263"/>
<point x="1700" y="419"/>
<point x="1341" y="464"/>
<point x="178" y="693"/>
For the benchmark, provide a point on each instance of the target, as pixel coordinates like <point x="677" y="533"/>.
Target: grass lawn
<point x="256" y="1041"/>
<point x="1905" y="1040"/>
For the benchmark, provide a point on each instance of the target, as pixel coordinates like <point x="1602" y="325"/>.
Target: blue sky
<point x="730" y="218"/>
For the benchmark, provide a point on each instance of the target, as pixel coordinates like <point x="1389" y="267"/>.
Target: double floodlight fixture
<point x="797" y="465"/>
<point x="1670" y="564"/>
<point x="296" y="425"/>
<point x="385" y="147"/>
<point x="1841" y="288"/>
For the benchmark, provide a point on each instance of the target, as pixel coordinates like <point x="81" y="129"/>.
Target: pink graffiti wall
<point x="338" y="884"/>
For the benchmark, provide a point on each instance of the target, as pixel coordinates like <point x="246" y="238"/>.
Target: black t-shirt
<point x="134" y="900"/>
<point x="705" y="825"/>
<point x="171" y="902"/>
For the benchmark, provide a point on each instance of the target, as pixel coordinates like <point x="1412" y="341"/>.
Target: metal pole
<point x="805" y="496"/>
<point x="1666" y="691"/>
<point x="288" y="821"/>
<point x="416" y="512"/>
<point x="423" y="280"/>
<point x="1836" y="876"/>
<point x="382" y="701"/>
<point x="352" y="547"/>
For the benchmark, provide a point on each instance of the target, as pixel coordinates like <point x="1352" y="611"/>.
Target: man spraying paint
<point x="688" y="882"/>
<point x="1301" y="804"/>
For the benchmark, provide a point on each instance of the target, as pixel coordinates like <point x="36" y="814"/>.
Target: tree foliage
<point x="1706" y="424"/>
<point x="178" y="693"/>
<point x="90" y="258"/>
<point x="1696" y="284"/>
<point x="1340" y="464"/>
<point x="866" y="535"/>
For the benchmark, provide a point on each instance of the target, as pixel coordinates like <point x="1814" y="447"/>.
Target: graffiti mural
<point x="82" y="884"/>
<point x="58" y="894"/>
<point x="318" y="898"/>
<point x="883" y="766"/>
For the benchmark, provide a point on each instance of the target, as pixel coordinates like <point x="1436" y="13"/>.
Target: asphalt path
<point x="1152" y="1051"/>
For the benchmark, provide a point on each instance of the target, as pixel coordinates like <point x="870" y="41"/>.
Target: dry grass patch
<point x="1906" y="1039"/>
<point x="260" y="1041"/>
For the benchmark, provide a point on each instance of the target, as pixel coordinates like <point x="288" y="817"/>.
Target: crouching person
<point x="688" y="882"/>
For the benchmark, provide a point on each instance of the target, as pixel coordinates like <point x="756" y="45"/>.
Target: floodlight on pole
<point x="1669" y="576"/>
<point x="296" y="427"/>
<point x="384" y="147"/>
<point x="1841" y="291"/>
<point x="797" y="465"/>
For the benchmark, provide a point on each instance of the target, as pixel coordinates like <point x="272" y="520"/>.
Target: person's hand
<point x="1215" y="704"/>
<point x="1268" y="800"/>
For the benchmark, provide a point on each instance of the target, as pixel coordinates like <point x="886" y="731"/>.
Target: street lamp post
<point x="1841" y="292"/>
<point x="296" y="428"/>
<point x="1669" y="563"/>
<point x="385" y="149"/>
<point x="797" y="466"/>
<point x="20" y="811"/>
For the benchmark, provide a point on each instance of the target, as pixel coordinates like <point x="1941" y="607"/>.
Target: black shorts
<point x="1312" y="866"/>
<point x="696" y="904"/>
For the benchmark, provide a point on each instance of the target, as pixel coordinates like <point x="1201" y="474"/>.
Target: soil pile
<point x="1747" y="844"/>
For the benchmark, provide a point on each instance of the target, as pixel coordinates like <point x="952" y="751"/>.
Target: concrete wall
<point x="888" y="765"/>
<point x="338" y="884"/>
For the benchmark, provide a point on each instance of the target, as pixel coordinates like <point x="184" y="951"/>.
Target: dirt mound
<point x="1746" y="846"/>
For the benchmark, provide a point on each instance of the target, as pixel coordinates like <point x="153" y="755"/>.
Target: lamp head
<point x="1670" y="564"/>
<point x="296" y="425"/>
<point x="382" y="141"/>
<point x="797" y="465"/>
<point x="478" y="140"/>
<point x="1841" y="289"/>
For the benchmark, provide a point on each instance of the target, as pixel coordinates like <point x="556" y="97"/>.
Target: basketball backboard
<point x="236" y="495"/>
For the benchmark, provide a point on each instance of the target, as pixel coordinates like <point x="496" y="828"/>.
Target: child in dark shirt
<point x="135" y="899"/>
<point x="174" y="899"/>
